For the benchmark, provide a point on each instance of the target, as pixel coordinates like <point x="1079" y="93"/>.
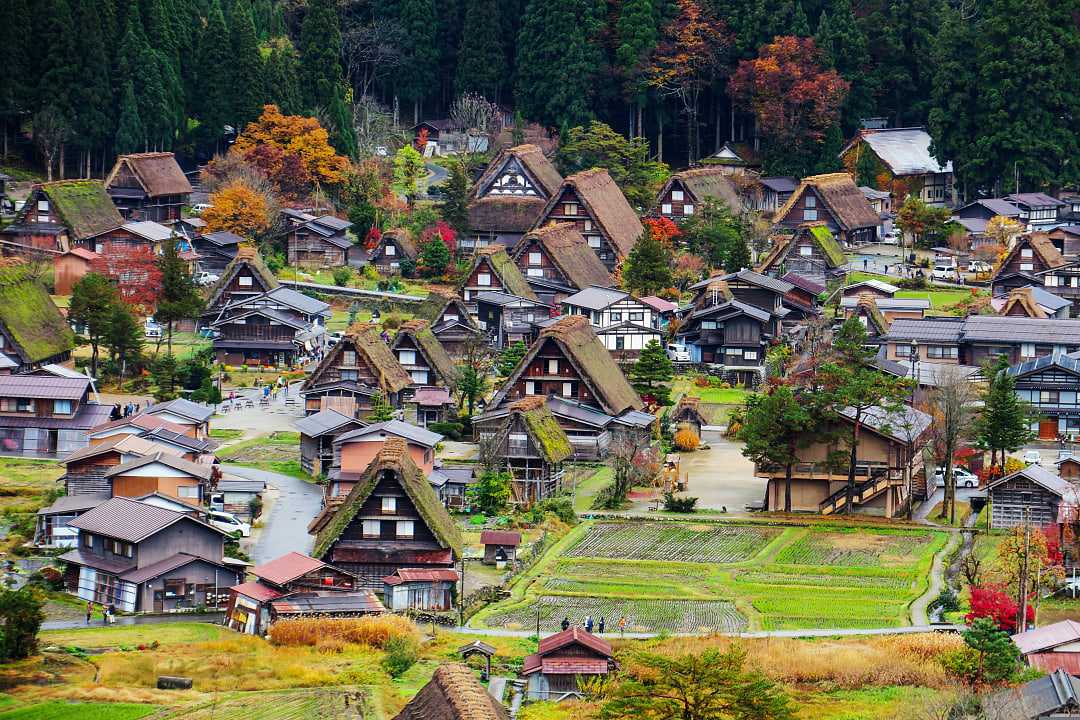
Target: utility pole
<point x="461" y="595"/>
<point x="1021" y="620"/>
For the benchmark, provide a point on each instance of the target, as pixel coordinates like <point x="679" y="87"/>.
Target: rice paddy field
<point x="724" y="577"/>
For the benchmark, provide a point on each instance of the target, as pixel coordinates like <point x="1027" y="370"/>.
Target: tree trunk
<point x="851" y="463"/>
<point x="640" y="119"/>
<point x="63" y="147"/>
<point x="787" y="488"/>
<point x="630" y="121"/>
<point x="416" y="111"/>
<point x="170" y="336"/>
<point x="659" y="134"/>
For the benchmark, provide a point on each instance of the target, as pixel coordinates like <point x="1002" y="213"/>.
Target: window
<point x="390" y="250"/>
<point x="350" y="375"/>
<point x="419" y="376"/>
<point x="1050" y="281"/>
<point x="616" y="317"/>
<point x="535" y="272"/>
<point x="903" y="350"/>
<point x="61" y="407"/>
<point x="175" y="587"/>
<point x="620" y="342"/>
<point x="749" y="354"/>
<point x="24" y="405"/>
<point x="637" y="317"/>
<point x="43" y="206"/>
<point x="568" y="389"/>
<point x="677" y="195"/>
<point x="348" y="357"/>
<point x="371" y="528"/>
<point x="1048" y="397"/>
<point x="404" y="528"/>
<point x="811" y="201"/>
<point x="1027" y="349"/>
<point x="588" y="225"/>
<point x="666" y="208"/>
<point x="809" y="214"/>
<point x="466" y="295"/>
<point x="552" y="367"/>
<point x="407" y="357"/>
<point x="688" y="209"/>
<point x="1027" y="267"/>
<point x="806" y="250"/>
<point x="570" y="208"/>
<point x="530" y="387"/>
<point x="483" y="279"/>
<point x="87" y="540"/>
<point x="1026" y="253"/>
<point x="188" y="491"/>
<point x="594" y="241"/>
<point x="245" y="280"/>
<point x="942" y="352"/>
<point x="534" y="258"/>
<point x="389" y="505"/>
<point x="708" y="324"/>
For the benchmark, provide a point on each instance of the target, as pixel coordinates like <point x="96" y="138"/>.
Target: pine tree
<point x="320" y="53"/>
<point x="283" y="78"/>
<point x="647" y="269"/>
<point x="179" y="299"/>
<point x="775" y="430"/>
<point x="554" y="74"/>
<point x="92" y="301"/>
<point x="16" y="92"/>
<point x="509" y="358"/>
<point x="60" y="64"/>
<point x="413" y="78"/>
<point x="152" y="98"/>
<point x="247" y="66"/>
<point x="434" y="258"/>
<point x="480" y="60"/>
<point x="93" y="95"/>
<point x="1004" y="424"/>
<point x="955" y="94"/>
<point x="342" y="132"/>
<point x="381" y="411"/>
<point x="844" y="47"/>
<point x="455" y="210"/>
<point x="800" y="25"/>
<point x="904" y="33"/>
<point x="637" y="31"/>
<point x="215" y="77"/>
<point x="125" y="339"/>
<point x="651" y="371"/>
<point x="130" y="136"/>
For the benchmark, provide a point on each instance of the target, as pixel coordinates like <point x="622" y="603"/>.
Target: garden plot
<point x="331" y="704"/>
<point x="673" y="542"/>
<point x="855" y="548"/>
<point x="641" y="615"/>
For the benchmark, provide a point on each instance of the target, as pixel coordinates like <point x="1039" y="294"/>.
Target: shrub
<point x="673" y="503"/>
<point x="991" y="601"/>
<point x="915" y="283"/>
<point x="686" y="440"/>
<point x="342" y="276"/>
<point x="21" y="613"/>
<point x="702" y="381"/>
<point x="401" y="654"/>
<point x="392" y="320"/>
<point x="451" y="430"/>
<point x="716" y="382"/>
<point x="947" y="601"/>
<point x="370" y="273"/>
<point x="375" y="630"/>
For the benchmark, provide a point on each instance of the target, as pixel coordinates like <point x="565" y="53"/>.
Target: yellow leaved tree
<point x="238" y="208"/>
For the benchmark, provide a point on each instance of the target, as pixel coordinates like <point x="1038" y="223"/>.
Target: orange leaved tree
<point x="239" y="209"/>
<point x="292" y="150"/>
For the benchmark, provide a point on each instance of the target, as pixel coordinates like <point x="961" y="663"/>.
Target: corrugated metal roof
<point x="1067" y="362"/>
<point x="298" y="300"/>
<point x="161" y="567"/>
<point x="1019" y="329"/>
<point x="148" y="229"/>
<point x="323" y="422"/>
<point x="1035" y="199"/>
<point x="198" y="470"/>
<point x="44" y="387"/>
<point x="595" y="298"/>
<point x="577" y="411"/>
<point x="132" y="444"/>
<point x="937" y="330"/>
<point x="432" y="396"/>
<point x="874" y="284"/>
<point x="905" y="150"/>
<point x="184" y="408"/>
<point x="90" y="415"/>
<point x="256" y="591"/>
<point x="500" y="537"/>
<point x="73" y="503"/>
<point x="780" y="183"/>
<point x="1049" y="636"/>
<point x="130" y="520"/>
<point x="328" y="603"/>
<point x="78" y="557"/>
<point x="1062" y="488"/>
<point x="902" y="425"/>
<point x="412" y="433"/>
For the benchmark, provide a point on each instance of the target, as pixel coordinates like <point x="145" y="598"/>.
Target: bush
<point x="401" y="654"/>
<point x="686" y="440"/>
<point x="375" y="631"/>
<point x="560" y="507"/>
<point x="370" y="273"/>
<point x="451" y="430"/>
<point x="947" y="601"/>
<point x="255" y="506"/>
<point x="342" y="276"/>
<point x="392" y="320"/>
<point x="21" y="613"/>
<point x="702" y="381"/>
<point x="673" y="503"/>
<point x="915" y="283"/>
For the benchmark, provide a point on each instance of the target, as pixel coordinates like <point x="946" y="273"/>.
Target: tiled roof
<point x="198" y="470"/>
<point x="288" y="567"/>
<point x="395" y="428"/>
<point x="153" y="570"/>
<point x="196" y="412"/>
<point x="141" y="422"/>
<point x="73" y="503"/>
<point x="1035" y="199"/>
<point x="256" y="591"/>
<point x="575" y="636"/>
<point x="323" y="422"/>
<point x="131" y="444"/>
<point x="596" y="298"/>
<point x="98" y="562"/>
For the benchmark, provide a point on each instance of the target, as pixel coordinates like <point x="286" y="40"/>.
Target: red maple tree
<point x="993" y="602"/>
<point x="441" y="231"/>
<point x="662" y="229"/>
<point x="794" y="98"/>
<point x="134" y="269"/>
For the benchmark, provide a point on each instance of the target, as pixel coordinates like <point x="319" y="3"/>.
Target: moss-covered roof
<point x="393" y="457"/>
<point x="246" y="255"/>
<point x="822" y="237"/>
<point x="867" y="303"/>
<point x="506" y="270"/>
<point x="434" y="305"/>
<point x="84" y="206"/>
<point x="433" y="350"/>
<point x="545" y="430"/>
<point x="828" y="244"/>
<point x="29" y="316"/>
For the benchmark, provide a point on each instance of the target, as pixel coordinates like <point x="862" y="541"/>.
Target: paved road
<point x="437" y="174"/>
<point x="835" y="632"/>
<point x="923" y="511"/>
<point x="207" y="617"/>
<point x="293" y="504"/>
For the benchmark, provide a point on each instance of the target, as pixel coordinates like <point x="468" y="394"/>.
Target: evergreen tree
<point x="471" y="386"/>
<point x="60" y="68"/>
<point x="179" y="299"/>
<point x="455" y="210"/>
<point x="16" y="57"/>
<point x="554" y="74"/>
<point x="650" y="373"/>
<point x="320" y="53"/>
<point x="480" y="60"/>
<point x="637" y="32"/>
<point x="283" y="78"/>
<point x="954" y="97"/>
<point x="381" y="411"/>
<point x="164" y="373"/>
<point x="93" y="95"/>
<point x="800" y="25"/>
<point x="434" y="258"/>
<point x="844" y="47"/>
<point x="904" y="31"/>
<point x="21" y="613"/>
<point x="775" y="430"/>
<point x="419" y="52"/>
<point x="1005" y="423"/>
<point x="995" y="655"/>
<point x="490" y="494"/>
<point x="215" y="75"/>
<point x="130" y="135"/>
<point x="247" y="66"/>
<point x="92" y="300"/>
<point x="647" y="269"/>
<point x="125" y="339"/>
<point x="342" y="132"/>
<point x="509" y="358"/>
<point x="152" y="98"/>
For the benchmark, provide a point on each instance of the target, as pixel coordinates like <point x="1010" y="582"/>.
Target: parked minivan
<point x="229" y="523"/>
<point x="678" y="353"/>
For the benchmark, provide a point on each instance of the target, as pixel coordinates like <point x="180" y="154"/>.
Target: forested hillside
<point x="996" y="81"/>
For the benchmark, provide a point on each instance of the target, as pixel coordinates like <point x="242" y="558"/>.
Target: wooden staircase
<point x="863" y="492"/>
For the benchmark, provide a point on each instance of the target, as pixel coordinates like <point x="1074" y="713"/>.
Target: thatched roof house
<point x="565" y="258"/>
<point x="834" y="199"/>
<point x="453" y="693"/>
<point x="416" y="335"/>
<point x="511" y="194"/>
<point x="34" y="331"/>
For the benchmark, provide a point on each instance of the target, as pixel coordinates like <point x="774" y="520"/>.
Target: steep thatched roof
<point x="533" y="161"/>
<point x="715" y="182"/>
<point x="551" y="440"/>
<point x="83" y="206"/>
<point x="248" y="256"/>
<point x="157" y="172"/>
<point x="419" y="331"/>
<point x="608" y="206"/>
<point x="1040" y="244"/>
<point x="29" y="315"/>
<point x="1025" y="300"/>
<point x="500" y="213"/>
<point x="453" y="693"/>
<point x="403" y="239"/>
<point x="569" y="251"/>
<point x="365" y="338"/>
<point x="841" y="196"/>
<point x="867" y="303"/>
<point x="504" y="268"/>
<point x="821" y="236"/>
<point x="688" y="409"/>
<point x="393" y="458"/>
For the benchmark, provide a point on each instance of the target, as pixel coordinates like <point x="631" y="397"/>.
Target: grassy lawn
<point x="939" y="297"/>
<point x="58" y="710"/>
<point x="25" y="483"/>
<point x="963" y="512"/>
<point x="325" y="277"/>
<point x="277" y="452"/>
<point x="683" y="577"/>
<point x="588" y="488"/>
<point x="684" y="385"/>
<point x="225" y="434"/>
<point x="132" y="635"/>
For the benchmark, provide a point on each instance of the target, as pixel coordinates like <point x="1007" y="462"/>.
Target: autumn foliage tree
<point x="794" y="98"/>
<point x="992" y="601"/>
<point x="135" y="272"/>
<point x="238" y="208"/>
<point x="294" y="151"/>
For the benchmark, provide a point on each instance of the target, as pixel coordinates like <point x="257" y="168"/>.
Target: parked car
<point x="979" y="266"/>
<point x="944" y="272"/>
<point x="1032" y="457"/>
<point x="333" y="339"/>
<point x="964" y="477"/>
<point x="204" y="277"/>
<point x="151" y="328"/>
<point x="200" y="208"/>
<point x="891" y="238"/>
<point x="678" y="353"/>
<point x="229" y="523"/>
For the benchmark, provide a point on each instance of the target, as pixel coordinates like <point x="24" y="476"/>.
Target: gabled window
<point x="404" y="528"/>
<point x="390" y="250"/>
<point x="483" y="279"/>
<point x="389" y="505"/>
<point x="677" y="195"/>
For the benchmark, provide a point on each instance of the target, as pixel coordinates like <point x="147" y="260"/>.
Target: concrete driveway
<point x="292" y="504"/>
<point x="963" y="494"/>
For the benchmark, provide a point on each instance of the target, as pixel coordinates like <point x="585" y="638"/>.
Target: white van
<point x="678" y="353"/>
<point x="945" y="272"/>
<point x="229" y="523"/>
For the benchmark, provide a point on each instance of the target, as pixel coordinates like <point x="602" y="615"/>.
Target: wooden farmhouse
<point x="1051" y="647"/>
<point x="394" y="247"/>
<point x="564" y="659"/>
<point x="1051" y="697"/>
<point x="686" y="192"/>
<point x="142" y="558"/>
<point x="259" y="337"/>
<point x="532" y="446"/>
<point x="449" y="320"/>
<point x="834" y="200"/>
<point x="688" y="414"/>
<point x="390" y="520"/>
<point x="507" y="319"/>
<point x="772" y="192"/>
<point x="1038" y="210"/>
<point x="33" y="332"/>
<point x="216" y="250"/>
<point x="493" y="271"/>
<point x="624" y="324"/>
<point x="557" y="261"/>
<point x="244" y="277"/>
<point x="317" y="435"/>
<point x="352" y="373"/>
<point x="453" y="693"/>
<point x="804" y="298"/>
<point x="148" y="186"/>
<point x="508" y="198"/>
<point x="1032" y="302"/>
<point x="585" y="390"/>
<point x="867" y="309"/>
<point x="420" y="589"/>
<point x="60" y="215"/>
<point x="87" y="469"/>
<point x="904" y="164"/>
<point x="595" y="204"/>
<point x="1068" y="468"/>
<point x="318" y="242"/>
<point x="810" y="251"/>
<point x="1029" y="256"/>
<point x="737" y="157"/>
<point x="888" y="442"/>
<point x="433" y="372"/>
<point x="1032" y="494"/>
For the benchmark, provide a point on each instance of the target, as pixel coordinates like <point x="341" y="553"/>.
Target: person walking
<point x="112" y="614"/>
<point x="600" y="627"/>
<point x="622" y="624"/>
<point x="565" y="623"/>
<point x="588" y="623"/>
<point x="89" y="611"/>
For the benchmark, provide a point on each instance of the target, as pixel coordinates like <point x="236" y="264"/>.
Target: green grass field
<point x="99" y="636"/>
<point x="25" y="483"/>
<point x="277" y="452"/>
<point x="940" y="297"/>
<point x="58" y="710"/>
<point x="684" y="577"/>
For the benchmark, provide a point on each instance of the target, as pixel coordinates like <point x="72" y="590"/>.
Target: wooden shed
<point x="1045" y="498"/>
<point x="500" y="546"/>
